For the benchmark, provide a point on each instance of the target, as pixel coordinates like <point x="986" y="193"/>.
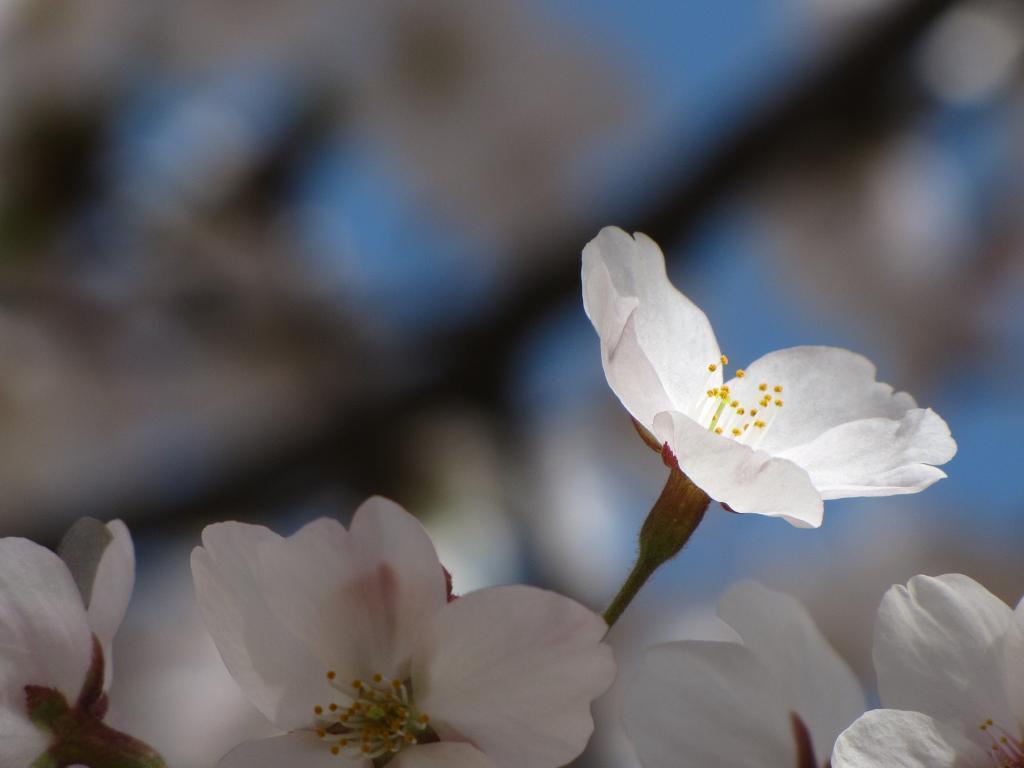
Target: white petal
<point x="44" y="635"/>
<point x="274" y="669"/>
<point x="938" y="649"/>
<point x="780" y="632"/>
<point x="822" y="387"/>
<point x="890" y="738"/>
<point x="295" y="750"/>
<point x="708" y="704"/>
<point x="443" y="755"/>
<point x="21" y="742"/>
<point x="747" y="480"/>
<point x="359" y="599"/>
<point x="112" y="589"/>
<point x="656" y="344"/>
<point x="1013" y="657"/>
<point x="877" y="457"/>
<point x="514" y="670"/>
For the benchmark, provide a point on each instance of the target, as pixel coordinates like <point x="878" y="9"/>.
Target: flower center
<point x="746" y="422"/>
<point x="370" y="719"/>
<point x="1005" y="750"/>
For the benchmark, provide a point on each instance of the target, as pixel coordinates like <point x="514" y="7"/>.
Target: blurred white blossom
<point x="950" y="661"/>
<point x="348" y="640"/>
<point x="778" y="697"/>
<point x="56" y="628"/>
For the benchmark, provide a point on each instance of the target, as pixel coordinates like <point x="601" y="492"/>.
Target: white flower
<point x="777" y="699"/>
<point x="950" y="662"/>
<point x="797" y="426"/>
<point x="47" y="628"/>
<point x="347" y="640"/>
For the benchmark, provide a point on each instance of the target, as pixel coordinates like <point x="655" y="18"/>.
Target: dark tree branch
<point x="359" y="442"/>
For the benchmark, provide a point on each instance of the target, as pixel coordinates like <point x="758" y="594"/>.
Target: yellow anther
<point x="331" y="675"/>
<point x="724" y="359"/>
<point x="762" y="387"/>
<point x="740" y="373"/>
<point x="734" y="403"/>
<point x="778" y="403"/>
<point x="712" y="367"/>
<point x="759" y="424"/>
<point x="777" y="387"/>
<point x="333" y="707"/>
<point x="424" y="719"/>
<point x="753" y="411"/>
<point x="357" y="684"/>
<point x="322" y="733"/>
<point x="711" y="393"/>
<point x="318" y="710"/>
<point x="718" y="430"/>
<point x="741" y="411"/>
<point x="377" y="678"/>
<point x="736" y="432"/>
<point x="335" y="749"/>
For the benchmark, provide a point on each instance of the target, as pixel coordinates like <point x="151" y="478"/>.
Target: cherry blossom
<point x="57" y="624"/>
<point x="348" y="642"/>
<point x="775" y="698"/>
<point x="950" y="661"/>
<point x="792" y="429"/>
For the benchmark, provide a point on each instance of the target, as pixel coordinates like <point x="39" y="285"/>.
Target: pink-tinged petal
<point x="514" y="670"/>
<point x="443" y="755"/>
<point x="112" y="590"/>
<point x="780" y="632"/>
<point x="44" y="634"/>
<point x="890" y="738"/>
<point x="295" y="750"/>
<point x="359" y="600"/>
<point x="656" y="344"/>
<point x="822" y="387"/>
<point x="938" y="650"/>
<point x="271" y="665"/>
<point x="746" y="479"/>
<point x="708" y="704"/>
<point x="877" y="457"/>
<point x="21" y="742"/>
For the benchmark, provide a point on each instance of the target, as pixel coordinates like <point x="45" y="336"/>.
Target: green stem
<point x="669" y="525"/>
<point x="642" y="571"/>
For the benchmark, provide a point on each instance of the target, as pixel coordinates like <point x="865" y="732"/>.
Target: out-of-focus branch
<point x="355" y="442"/>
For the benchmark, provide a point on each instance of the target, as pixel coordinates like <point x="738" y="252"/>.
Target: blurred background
<point x="260" y="260"/>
